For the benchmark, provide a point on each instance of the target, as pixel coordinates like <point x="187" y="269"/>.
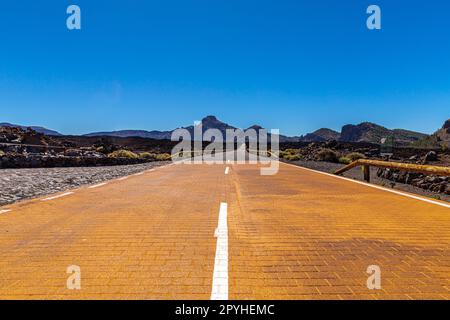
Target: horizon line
<point x="193" y="122"/>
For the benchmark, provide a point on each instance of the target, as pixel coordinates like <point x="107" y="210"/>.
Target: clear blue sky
<point x="295" y="65"/>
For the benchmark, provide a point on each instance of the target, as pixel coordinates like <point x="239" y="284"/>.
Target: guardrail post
<point x="366" y="169"/>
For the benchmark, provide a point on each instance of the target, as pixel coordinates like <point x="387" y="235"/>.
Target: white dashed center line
<point x="58" y="196"/>
<point x="220" y="276"/>
<point x="97" y="185"/>
<point x="227" y="170"/>
<point x="4" y="211"/>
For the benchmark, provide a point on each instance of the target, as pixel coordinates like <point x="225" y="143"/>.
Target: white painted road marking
<point x="4" y="211"/>
<point x="227" y="170"/>
<point x="138" y="174"/>
<point x="374" y="186"/>
<point x="220" y="276"/>
<point x="97" y="185"/>
<point x="58" y="196"/>
<point x="123" y="178"/>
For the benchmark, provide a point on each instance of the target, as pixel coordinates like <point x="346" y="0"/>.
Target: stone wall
<point x="48" y="161"/>
<point x="431" y="183"/>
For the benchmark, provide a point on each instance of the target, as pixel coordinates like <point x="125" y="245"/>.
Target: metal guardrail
<point x="433" y="170"/>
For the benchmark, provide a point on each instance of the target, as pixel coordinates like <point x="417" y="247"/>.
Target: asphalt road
<point x="204" y="231"/>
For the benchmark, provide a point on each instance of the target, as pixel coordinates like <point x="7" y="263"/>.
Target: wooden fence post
<point x="366" y="169"/>
<point x="366" y="173"/>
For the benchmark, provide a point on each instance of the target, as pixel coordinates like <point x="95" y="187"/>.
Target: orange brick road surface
<point x="294" y="235"/>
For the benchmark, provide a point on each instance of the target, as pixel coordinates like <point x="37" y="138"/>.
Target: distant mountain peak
<point x="374" y="133"/>
<point x="446" y="125"/>
<point x="35" y="128"/>
<point x="211" y="122"/>
<point x="443" y="135"/>
<point x="322" y="134"/>
<point x="255" y="127"/>
<point x="210" y="118"/>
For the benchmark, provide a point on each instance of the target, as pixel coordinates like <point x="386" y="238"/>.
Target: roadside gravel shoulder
<point x="21" y="184"/>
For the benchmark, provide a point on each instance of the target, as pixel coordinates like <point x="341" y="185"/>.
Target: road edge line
<point x="98" y="185"/>
<point x="58" y="196"/>
<point x="372" y="186"/>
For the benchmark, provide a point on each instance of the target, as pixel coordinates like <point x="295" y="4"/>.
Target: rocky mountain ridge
<point x="38" y="129"/>
<point x="323" y="134"/>
<point x="371" y="132"/>
<point x="363" y="132"/>
<point x="443" y="134"/>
